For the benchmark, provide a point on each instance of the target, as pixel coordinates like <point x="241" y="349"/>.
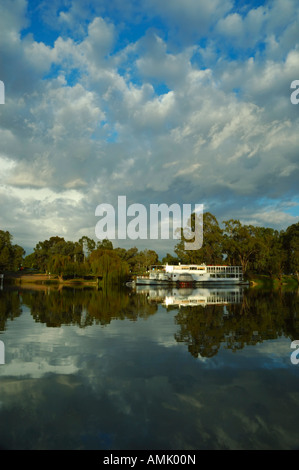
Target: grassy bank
<point x="23" y="278"/>
<point x="262" y="281"/>
<point x="257" y="281"/>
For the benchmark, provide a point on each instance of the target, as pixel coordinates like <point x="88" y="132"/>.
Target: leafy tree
<point x="78" y="254"/>
<point x="30" y="261"/>
<point x="11" y="256"/>
<point x="5" y="259"/>
<point x="290" y="241"/>
<point x="138" y="261"/>
<point x="149" y="258"/>
<point x="240" y="243"/>
<point x="45" y="249"/>
<point x="18" y="254"/>
<point x="5" y="250"/>
<point x="121" y="252"/>
<point x="87" y="245"/>
<point x="105" y="244"/>
<point x="57" y="264"/>
<point x="108" y="266"/>
<point x="270" y="256"/>
<point x="130" y="256"/>
<point x="170" y="259"/>
<point x="211" y="250"/>
<point x="54" y="254"/>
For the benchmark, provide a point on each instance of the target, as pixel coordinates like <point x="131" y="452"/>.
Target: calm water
<point x="152" y="369"/>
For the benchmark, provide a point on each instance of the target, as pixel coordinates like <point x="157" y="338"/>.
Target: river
<point x="148" y="369"/>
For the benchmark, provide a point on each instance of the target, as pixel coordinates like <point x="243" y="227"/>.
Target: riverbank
<point x="25" y="278"/>
<point x="257" y="281"/>
<point x="262" y="281"/>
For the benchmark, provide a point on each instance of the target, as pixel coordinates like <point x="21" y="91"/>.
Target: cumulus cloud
<point x="89" y="116"/>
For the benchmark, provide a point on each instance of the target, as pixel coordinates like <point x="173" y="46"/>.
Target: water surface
<point x="148" y="369"/>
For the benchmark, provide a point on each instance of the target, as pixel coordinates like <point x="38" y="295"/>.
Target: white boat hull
<point x="157" y="282"/>
<point x="141" y="281"/>
<point x="193" y="274"/>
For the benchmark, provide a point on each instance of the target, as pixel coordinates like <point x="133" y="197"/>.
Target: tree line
<point x="87" y="258"/>
<point x="11" y="256"/>
<point x="257" y="249"/>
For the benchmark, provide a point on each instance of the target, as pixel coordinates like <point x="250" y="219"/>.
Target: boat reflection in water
<point x="183" y="297"/>
<point x="206" y="319"/>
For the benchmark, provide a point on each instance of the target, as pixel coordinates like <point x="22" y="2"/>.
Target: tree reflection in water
<point x="84" y="306"/>
<point x="10" y="306"/>
<point x="251" y="318"/>
<point x="260" y="316"/>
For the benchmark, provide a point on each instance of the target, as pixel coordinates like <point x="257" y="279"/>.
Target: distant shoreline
<point x="264" y="281"/>
<point x="257" y="281"/>
<point x="29" y="278"/>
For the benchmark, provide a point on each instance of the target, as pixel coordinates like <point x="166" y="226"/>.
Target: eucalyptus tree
<point x="290" y="241"/>
<point x="240" y="243"/>
<point x="271" y="257"/>
<point x="211" y="250"/>
<point x="11" y="256"/>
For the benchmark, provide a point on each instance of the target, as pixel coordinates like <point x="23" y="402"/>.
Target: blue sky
<point x="180" y="101"/>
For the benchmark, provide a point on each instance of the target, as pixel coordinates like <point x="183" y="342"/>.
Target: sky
<point x="180" y="101"/>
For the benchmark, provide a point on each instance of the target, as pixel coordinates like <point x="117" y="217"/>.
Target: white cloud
<point x="231" y="25"/>
<point x="156" y="63"/>
<point x="270" y="217"/>
<point x="103" y="123"/>
<point x="99" y="40"/>
<point x="12" y="19"/>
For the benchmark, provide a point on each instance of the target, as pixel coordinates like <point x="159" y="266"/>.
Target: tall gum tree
<point x="211" y="251"/>
<point x="240" y="243"/>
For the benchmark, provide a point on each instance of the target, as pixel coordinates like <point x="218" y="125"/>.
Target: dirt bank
<point x="22" y="277"/>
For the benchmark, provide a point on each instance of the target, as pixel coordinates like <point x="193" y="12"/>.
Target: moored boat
<point x="192" y="274"/>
